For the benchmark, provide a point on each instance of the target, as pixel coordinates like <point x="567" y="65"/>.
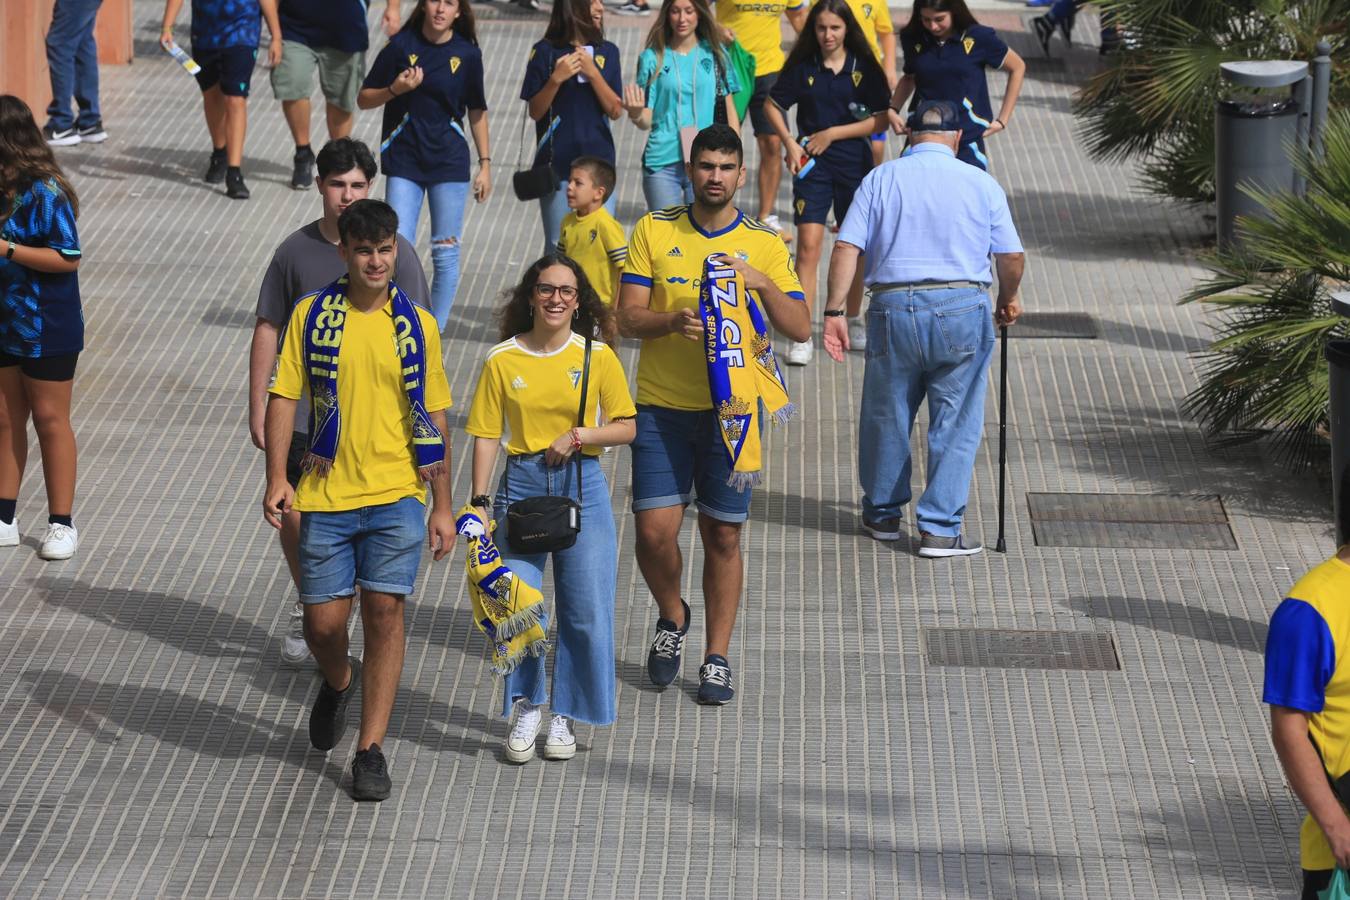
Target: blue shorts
<point x="377" y="547"/>
<point x="676" y="450"/>
<point x="822" y="188"/>
<point x="229" y="67"/>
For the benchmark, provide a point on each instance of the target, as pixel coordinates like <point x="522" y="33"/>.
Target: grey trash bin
<point x="1252" y="138"/>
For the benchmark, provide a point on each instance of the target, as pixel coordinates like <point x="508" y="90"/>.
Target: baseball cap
<point x="950" y="117"/>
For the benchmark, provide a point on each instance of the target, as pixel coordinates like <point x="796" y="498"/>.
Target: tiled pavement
<point x="152" y="744"/>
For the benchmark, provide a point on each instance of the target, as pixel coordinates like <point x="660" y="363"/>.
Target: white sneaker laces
<point x="527" y="723"/>
<point x="560" y="730"/>
<point x="715" y="673"/>
<point x="668" y="644"/>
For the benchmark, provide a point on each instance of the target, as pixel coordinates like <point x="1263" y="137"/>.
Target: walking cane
<point x="1002" y="546"/>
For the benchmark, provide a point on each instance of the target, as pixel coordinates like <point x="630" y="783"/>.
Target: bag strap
<point x="548" y="134"/>
<point x="581" y="410"/>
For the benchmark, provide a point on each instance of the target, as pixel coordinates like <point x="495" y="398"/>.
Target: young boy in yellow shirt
<point x="590" y="235"/>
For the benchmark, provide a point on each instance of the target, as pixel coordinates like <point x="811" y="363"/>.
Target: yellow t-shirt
<point x="756" y="24"/>
<point x="666" y="253"/>
<point x="874" y="18"/>
<point x="597" y="243"/>
<point x="536" y="395"/>
<point x="375" y="462"/>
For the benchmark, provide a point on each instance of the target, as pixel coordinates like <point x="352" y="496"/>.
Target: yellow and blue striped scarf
<point x="505" y="608"/>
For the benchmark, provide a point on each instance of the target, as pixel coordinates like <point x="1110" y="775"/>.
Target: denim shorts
<point x="676" y="450"/>
<point x="377" y="547"/>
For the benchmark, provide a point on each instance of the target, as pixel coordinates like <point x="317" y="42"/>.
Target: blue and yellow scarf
<point x="742" y="370"/>
<point x="323" y="339"/>
<point x="505" y="608"/>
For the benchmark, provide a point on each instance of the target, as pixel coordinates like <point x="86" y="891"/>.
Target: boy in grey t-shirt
<point x="307" y="261"/>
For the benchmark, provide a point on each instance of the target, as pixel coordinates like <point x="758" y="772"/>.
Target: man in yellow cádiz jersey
<point x="756" y="24"/>
<point x="678" y="444"/>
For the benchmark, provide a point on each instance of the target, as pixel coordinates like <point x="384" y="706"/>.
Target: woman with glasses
<point x="527" y="399"/>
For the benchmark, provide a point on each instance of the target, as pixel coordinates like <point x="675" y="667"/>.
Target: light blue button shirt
<point x="929" y="217"/>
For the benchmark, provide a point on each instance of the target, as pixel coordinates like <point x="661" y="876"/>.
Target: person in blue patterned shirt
<point x="41" y="324"/>
<point x="225" y="36"/>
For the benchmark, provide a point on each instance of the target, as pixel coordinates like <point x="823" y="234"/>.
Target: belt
<point x="883" y="287"/>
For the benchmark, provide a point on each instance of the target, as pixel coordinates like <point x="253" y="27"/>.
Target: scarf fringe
<point x="511" y="663"/>
<point x="743" y="480"/>
<point x="783" y="414"/>
<point x="316" y="464"/>
<point x="520" y="621"/>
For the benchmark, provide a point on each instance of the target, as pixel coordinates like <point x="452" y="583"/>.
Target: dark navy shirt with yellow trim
<point x="583" y="127"/>
<point x="954" y="70"/>
<point x="825" y="99"/>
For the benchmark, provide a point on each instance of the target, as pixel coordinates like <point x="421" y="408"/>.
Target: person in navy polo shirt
<point x="429" y="79"/>
<point x="840" y="92"/>
<point x="574" y="86"/>
<point x="946" y="54"/>
<point x="328" y="35"/>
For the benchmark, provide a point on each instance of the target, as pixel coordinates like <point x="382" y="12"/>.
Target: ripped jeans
<point x="447" y="200"/>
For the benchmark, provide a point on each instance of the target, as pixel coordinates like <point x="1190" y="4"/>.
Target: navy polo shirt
<point x="954" y="71"/>
<point x="217" y="24"/>
<point x="339" y="24"/>
<point x="583" y="127"/>
<point x="825" y="99"/>
<point x="422" y="137"/>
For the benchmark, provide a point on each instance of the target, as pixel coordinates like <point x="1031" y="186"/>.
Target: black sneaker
<point x="1045" y="30"/>
<point x="93" y="134"/>
<point x="215" y="169"/>
<point x="65" y="137"/>
<point x="663" y="659"/>
<point x="235" y="188"/>
<point x="370" y="775"/>
<point x="714" y="681"/>
<point x="883" y="529"/>
<point x="328" y="718"/>
<point x="936" y="546"/>
<point x="302" y="173"/>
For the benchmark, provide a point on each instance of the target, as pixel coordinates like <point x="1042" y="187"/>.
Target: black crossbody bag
<point x="548" y="523"/>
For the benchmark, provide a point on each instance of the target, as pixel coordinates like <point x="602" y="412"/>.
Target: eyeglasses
<point x="566" y="291"/>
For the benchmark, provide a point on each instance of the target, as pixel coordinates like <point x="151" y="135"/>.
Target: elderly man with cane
<point x="927" y="224"/>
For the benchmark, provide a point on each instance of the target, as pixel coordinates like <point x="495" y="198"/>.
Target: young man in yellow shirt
<point x="678" y="445"/>
<point x="377" y="438"/>
<point x="590" y="234"/>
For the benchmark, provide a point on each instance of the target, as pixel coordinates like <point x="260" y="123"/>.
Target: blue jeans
<point x="583" y="578"/>
<point x="924" y="344"/>
<point x="666" y="186"/>
<point x="553" y="209"/>
<point x="72" y="58"/>
<point x="447" y="199"/>
<point x="377" y="547"/>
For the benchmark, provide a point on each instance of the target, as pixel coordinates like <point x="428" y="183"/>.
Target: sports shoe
<point x="302" y="171"/>
<point x="1045" y="30"/>
<point x="776" y="224"/>
<point x="799" y="354"/>
<point x="714" y="681"/>
<point x="936" y="546"/>
<point x="328" y="718"/>
<point x="93" y="134"/>
<point x="66" y="137"/>
<point x="370" y="775"/>
<point x="663" y="659"/>
<point x="857" y="334"/>
<point x="59" y="542"/>
<point x="294" y="650"/>
<point x="9" y="534"/>
<point x="883" y="529"/>
<point x="235" y="188"/>
<point x="1066" y="28"/>
<point x="215" y="168"/>
<point x="526" y="719"/>
<point x="632" y="9"/>
<point x="560" y="743"/>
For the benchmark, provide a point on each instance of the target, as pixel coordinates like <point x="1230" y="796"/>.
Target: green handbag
<point x="742" y="62"/>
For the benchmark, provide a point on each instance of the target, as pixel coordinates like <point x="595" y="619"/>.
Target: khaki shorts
<point x="340" y="74"/>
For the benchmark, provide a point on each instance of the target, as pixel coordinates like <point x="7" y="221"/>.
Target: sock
<point x="303" y="150"/>
<point x="234" y="172"/>
<point x="7" y="508"/>
<point x="60" y="520"/>
<point x="217" y="152"/>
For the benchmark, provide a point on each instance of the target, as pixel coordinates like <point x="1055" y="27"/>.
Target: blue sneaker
<point x="663" y="659"/>
<point x="714" y="681"/>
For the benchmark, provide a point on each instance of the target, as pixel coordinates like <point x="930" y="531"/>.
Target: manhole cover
<point x="1012" y="649"/>
<point x="1055" y="325"/>
<point x="1130" y="521"/>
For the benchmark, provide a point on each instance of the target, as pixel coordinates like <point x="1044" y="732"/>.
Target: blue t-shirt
<point x="825" y="99"/>
<point x="40" y="312"/>
<point x="582" y="128"/>
<point x="339" y="24"/>
<point x="217" y="24"/>
<point x="954" y="71"/>
<point x="422" y="137"/>
<point x="682" y="93"/>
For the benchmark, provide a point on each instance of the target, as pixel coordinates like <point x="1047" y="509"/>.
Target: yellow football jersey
<point x="666" y="253"/>
<point x="597" y="243"/>
<point x="757" y="25"/>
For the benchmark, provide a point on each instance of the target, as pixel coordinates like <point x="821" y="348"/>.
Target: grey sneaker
<point x="883" y="529"/>
<point x="935" y="546"/>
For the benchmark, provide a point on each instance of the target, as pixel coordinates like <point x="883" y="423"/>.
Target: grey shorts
<point x="340" y="74"/>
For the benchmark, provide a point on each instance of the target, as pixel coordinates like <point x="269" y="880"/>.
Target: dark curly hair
<point x="593" y="316"/>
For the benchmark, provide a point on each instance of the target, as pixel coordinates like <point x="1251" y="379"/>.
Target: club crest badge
<point x="412" y="59"/>
<point x="454" y="64"/>
<point x="857" y="78"/>
<point x="969" y="44"/>
<point x="599" y="60"/>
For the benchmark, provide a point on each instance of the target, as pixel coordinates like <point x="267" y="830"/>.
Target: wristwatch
<point x="834" y="313"/>
<point x="482" y="501"/>
<point x="9" y="252"/>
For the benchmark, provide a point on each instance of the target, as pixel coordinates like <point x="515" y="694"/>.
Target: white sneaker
<point x="294" y="650"/>
<point x="60" y="542"/>
<point x="526" y="718"/>
<point x="799" y="354"/>
<point x="857" y="334"/>
<point x="560" y="744"/>
<point x="776" y="224"/>
<point x="9" y="534"/>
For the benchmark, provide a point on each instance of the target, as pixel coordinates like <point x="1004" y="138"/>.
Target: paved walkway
<point x="152" y="744"/>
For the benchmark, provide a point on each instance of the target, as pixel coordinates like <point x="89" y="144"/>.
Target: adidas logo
<point x="674" y="251"/>
<point x="518" y="383"/>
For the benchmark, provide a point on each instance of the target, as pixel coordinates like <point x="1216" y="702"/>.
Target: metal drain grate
<point x="1131" y="521"/>
<point x="1055" y="325"/>
<point x="1010" y="649"/>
